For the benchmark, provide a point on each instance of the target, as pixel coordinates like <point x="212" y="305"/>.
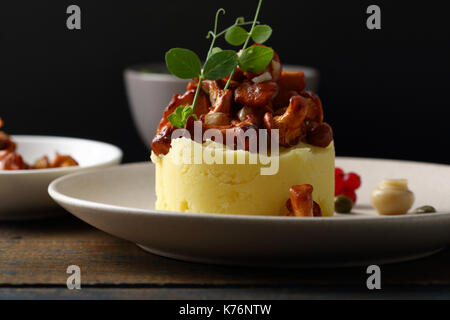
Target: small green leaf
<point x="179" y="112"/>
<point x="174" y="120"/>
<point x="220" y="65"/>
<point x="215" y="50"/>
<point x="183" y="63"/>
<point x="187" y="111"/>
<point x="236" y="35"/>
<point x="255" y="58"/>
<point x="261" y="33"/>
<point x="179" y="117"/>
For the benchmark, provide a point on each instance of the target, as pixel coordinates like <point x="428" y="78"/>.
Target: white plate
<point x="120" y="201"/>
<point x="23" y="193"/>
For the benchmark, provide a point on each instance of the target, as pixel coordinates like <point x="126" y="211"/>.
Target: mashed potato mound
<point x="240" y="188"/>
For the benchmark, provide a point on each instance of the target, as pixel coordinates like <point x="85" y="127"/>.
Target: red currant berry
<point x="351" y="181"/>
<point x="338" y="186"/>
<point x="349" y="193"/>
<point x="338" y="181"/>
<point x="338" y="172"/>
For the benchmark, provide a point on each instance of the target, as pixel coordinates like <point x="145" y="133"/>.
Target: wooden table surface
<point x="34" y="257"/>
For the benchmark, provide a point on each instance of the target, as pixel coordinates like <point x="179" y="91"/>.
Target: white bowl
<point x="23" y="193"/>
<point x="150" y="90"/>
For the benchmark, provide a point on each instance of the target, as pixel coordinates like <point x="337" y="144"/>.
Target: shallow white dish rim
<point x="52" y="189"/>
<point x="112" y="160"/>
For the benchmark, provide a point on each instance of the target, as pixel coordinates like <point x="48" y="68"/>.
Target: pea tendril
<point x="246" y="41"/>
<point x="185" y="64"/>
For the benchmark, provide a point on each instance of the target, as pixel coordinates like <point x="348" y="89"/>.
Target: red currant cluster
<point x="346" y="183"/>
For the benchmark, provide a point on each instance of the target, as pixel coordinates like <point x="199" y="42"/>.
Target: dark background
<point x="384" y="91"/>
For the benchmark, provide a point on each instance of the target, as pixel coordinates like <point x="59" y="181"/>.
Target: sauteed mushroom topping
<point x="270" y="99"/>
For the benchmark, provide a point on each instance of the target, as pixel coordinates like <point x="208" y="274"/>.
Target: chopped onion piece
<point x="276" y="66"/>
<point x="266" y="76"/>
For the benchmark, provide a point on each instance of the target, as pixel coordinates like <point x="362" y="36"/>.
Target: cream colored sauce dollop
<point x="392" y="197"/>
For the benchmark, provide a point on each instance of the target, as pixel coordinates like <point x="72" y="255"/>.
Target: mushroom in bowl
<point x="23" y="186"/>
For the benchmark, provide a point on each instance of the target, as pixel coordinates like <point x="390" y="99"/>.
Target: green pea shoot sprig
<point x="185" y="64"/>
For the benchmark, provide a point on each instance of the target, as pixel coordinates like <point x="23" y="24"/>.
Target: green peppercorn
<point x="343" y="204"/>
<point x="425" y="209"/>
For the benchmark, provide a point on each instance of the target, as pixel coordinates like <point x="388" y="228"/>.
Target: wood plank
<point x="307" y="293"/>
<point x="36" y="253"/>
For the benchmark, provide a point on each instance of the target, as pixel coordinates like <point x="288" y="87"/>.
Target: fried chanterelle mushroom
<point x="9" y="160"/>
<point x="301" y="203"/>
<point x="6" y="144"/>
